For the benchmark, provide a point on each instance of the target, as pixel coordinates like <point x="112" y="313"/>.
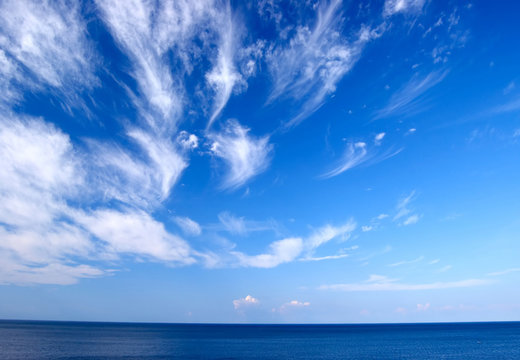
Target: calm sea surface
<point x="79" y="340"/>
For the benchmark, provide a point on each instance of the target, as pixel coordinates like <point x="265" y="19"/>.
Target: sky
<point x="260" y="162"/>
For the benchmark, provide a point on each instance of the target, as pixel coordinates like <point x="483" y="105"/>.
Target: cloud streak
<point x="382" y="283"/>
<point x="313" y="60"/>
<point x="327" y="233"/>
<point x="279" y="252"/>
<point x="393" y="7"/>
<point x="407" y="262"/>
<point x="357" y="154"/>
<point x="188" y="226"/>
<point x="44" y="44"/>
<point x="244" y="155"/>
<point x="411" y="98"/>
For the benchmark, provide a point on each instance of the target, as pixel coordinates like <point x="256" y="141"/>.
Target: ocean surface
<point x="83" y="340"/>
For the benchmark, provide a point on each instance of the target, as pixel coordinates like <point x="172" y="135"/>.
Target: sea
<point x="96" y="340"/>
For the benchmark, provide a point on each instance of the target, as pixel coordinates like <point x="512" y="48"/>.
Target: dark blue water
<point x="77" y="340"/>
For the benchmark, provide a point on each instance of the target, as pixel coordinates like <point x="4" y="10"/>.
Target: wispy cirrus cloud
<point x="504" y="272"/>
<point x="354" y="155"/>
<point x="279" y="252"/>
<point x="151" y="35"/>
<point x="511" y="106"/>
<point x="145" y="41"/>
<point x="139" y="178"/>
<point x="411" y="98"/>
<point x="342" y="253"/>
<point x="404" y="211"/>
<point x="327" y="233"/>
<point x="224" y="75"/>
<point x="13" y="272"/>
<point x="393" y="7"/>
<point x="308" y="66"/>
<point x="383" y="283"/>
<point x="358" y="153"/>
<point x="407" y="262"/>
<point x="244" y="155"/>
<point x="164" y="158"/>
<point x="44" y="44"/>
<point x="233" y="224"/>
<point x="188" y="226"/>
<point x="239" y="225"/>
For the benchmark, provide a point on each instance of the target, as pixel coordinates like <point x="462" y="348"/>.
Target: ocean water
<point x="80" y="340"/>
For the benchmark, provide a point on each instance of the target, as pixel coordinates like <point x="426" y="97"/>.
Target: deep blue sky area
<point x="264" y="161"/>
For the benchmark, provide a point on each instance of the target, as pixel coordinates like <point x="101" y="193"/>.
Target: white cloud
<point x="516" y="133"/>
<point x="355" y="154"/>
<point x="9" y="74"/>
<point x="54" y="273"/>
<point x="410" y="99"/>
<point x="423" y="307"/>
<point x="40" y="172"/>
<point x="393" y="7"/>
<point x="245" y="302"/>
<point x="187" y="141"/>
<point x="154" y="33"/>
<point x="121" y="174"/>
<point x="327" y="233"/>
<point x="413" y="219"/>
<point x="151" y="34"/>
<point x="47" y="45"/>
<point x="511" y="106"/>
<point x="402" y="206"/>
<point x="135" y="232"/>
<point x="39" y="169"/>
<point x="378" y="138"/>
<point x="245" y="156"/>
<point x="167" y="163"/>
<point x="382" y="283"/>
<point x="188" y="226"/>
<point x="504" y="272"/>
<point x="435" y="261"/>
<point x="224" y="75"/>
<point x="342" y="253"/>
<point x="407" y="262"/>
<point x="328" y="257"/>
<point x="233" y="224"/>
<point x="445" y="268"/>
<point x="280" y="252"/>
<point x="139" y="178"/>
<point x="236" y="225"/>
<point x="145" y="41"/>
<point x="366" y="228"/>
<point x="312" y="61"/>
<point x="42" y="176"/>
<point x="404" y="210"/>
<point x="293" y="304"/>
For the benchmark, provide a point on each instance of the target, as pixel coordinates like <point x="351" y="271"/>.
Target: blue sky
<point x="213" y="161"/>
